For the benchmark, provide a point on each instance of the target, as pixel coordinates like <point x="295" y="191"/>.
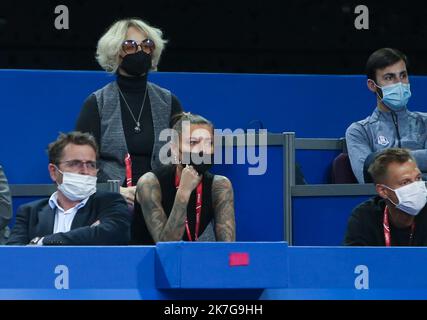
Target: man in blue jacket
<point x="391" y="124"/>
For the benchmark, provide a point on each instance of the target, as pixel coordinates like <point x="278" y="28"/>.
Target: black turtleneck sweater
<point x="140" y="145"/>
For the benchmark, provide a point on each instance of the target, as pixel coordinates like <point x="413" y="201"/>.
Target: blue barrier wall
<point x="178" y="270"/>
<point x="322" y="221"/>
<point x="36" y="105"/>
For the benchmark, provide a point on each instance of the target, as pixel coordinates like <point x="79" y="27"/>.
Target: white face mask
<point x="412" y="197"/>
<point x="77" y="186"/>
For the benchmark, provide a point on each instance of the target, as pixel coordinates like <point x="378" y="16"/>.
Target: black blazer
<point x="36" y="219"/>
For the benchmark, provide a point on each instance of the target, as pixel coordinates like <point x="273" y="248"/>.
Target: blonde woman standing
<point x="127" y="115"/>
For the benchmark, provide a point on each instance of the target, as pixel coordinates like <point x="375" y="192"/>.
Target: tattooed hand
<point x="189" y="180"/>
<point x="129" y="195"/>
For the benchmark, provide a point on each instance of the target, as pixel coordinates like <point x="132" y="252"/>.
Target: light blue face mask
<point x="396" y="96"/>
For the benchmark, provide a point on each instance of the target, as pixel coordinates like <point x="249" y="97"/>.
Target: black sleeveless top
<point x="166" y="177"/>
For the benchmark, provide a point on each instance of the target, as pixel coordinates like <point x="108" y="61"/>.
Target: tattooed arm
<point x="223" y="204"/>
<point x="149" y="195"/>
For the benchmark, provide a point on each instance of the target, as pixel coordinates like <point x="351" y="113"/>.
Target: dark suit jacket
<point x="36" y="219"/>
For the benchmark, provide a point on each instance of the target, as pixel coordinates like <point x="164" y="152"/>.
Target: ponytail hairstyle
<point x="179" y="118"/>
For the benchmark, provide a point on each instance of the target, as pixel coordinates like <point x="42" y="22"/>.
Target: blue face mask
<point x="396" y="96"/>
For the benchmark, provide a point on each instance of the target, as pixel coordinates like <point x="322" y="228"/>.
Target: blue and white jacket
<point x="381" y="130"/>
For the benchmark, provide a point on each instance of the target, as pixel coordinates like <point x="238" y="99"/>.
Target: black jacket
<point x="365" y="226"/>
<point x="36" y="219"/>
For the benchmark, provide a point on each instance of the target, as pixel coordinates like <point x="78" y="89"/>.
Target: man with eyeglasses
<point x="76" y="214"/>
<point x="391" y="124"/>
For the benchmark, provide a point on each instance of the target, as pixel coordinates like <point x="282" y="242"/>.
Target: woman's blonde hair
<point x="109" y="45"/>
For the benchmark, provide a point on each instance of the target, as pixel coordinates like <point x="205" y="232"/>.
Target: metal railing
<point x="44" y="190"/>
<point x="290" y="190"/>
<point x="290" y="144"/>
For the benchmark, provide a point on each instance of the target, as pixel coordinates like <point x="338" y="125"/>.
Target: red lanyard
<point x="199" y="192"/>
<point x="128" y="164"/>
<point x="387" y="234"/>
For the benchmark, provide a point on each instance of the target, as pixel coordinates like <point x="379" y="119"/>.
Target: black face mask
<point x="136" y="64"/>
<point x="205" y="159"/>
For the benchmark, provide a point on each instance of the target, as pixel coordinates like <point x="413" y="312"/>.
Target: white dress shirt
<point x="64" y="218"/>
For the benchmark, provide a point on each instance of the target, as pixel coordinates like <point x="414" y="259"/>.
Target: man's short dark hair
<point x="56" y="148"/>
<point x="381" y="59"/>
<point x="378" y="169"/>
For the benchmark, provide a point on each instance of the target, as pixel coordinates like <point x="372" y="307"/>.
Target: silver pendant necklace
<point x="137" y="128"/>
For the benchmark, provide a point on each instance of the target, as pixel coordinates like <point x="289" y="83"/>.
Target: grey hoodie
<point x="381" y="130"/>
